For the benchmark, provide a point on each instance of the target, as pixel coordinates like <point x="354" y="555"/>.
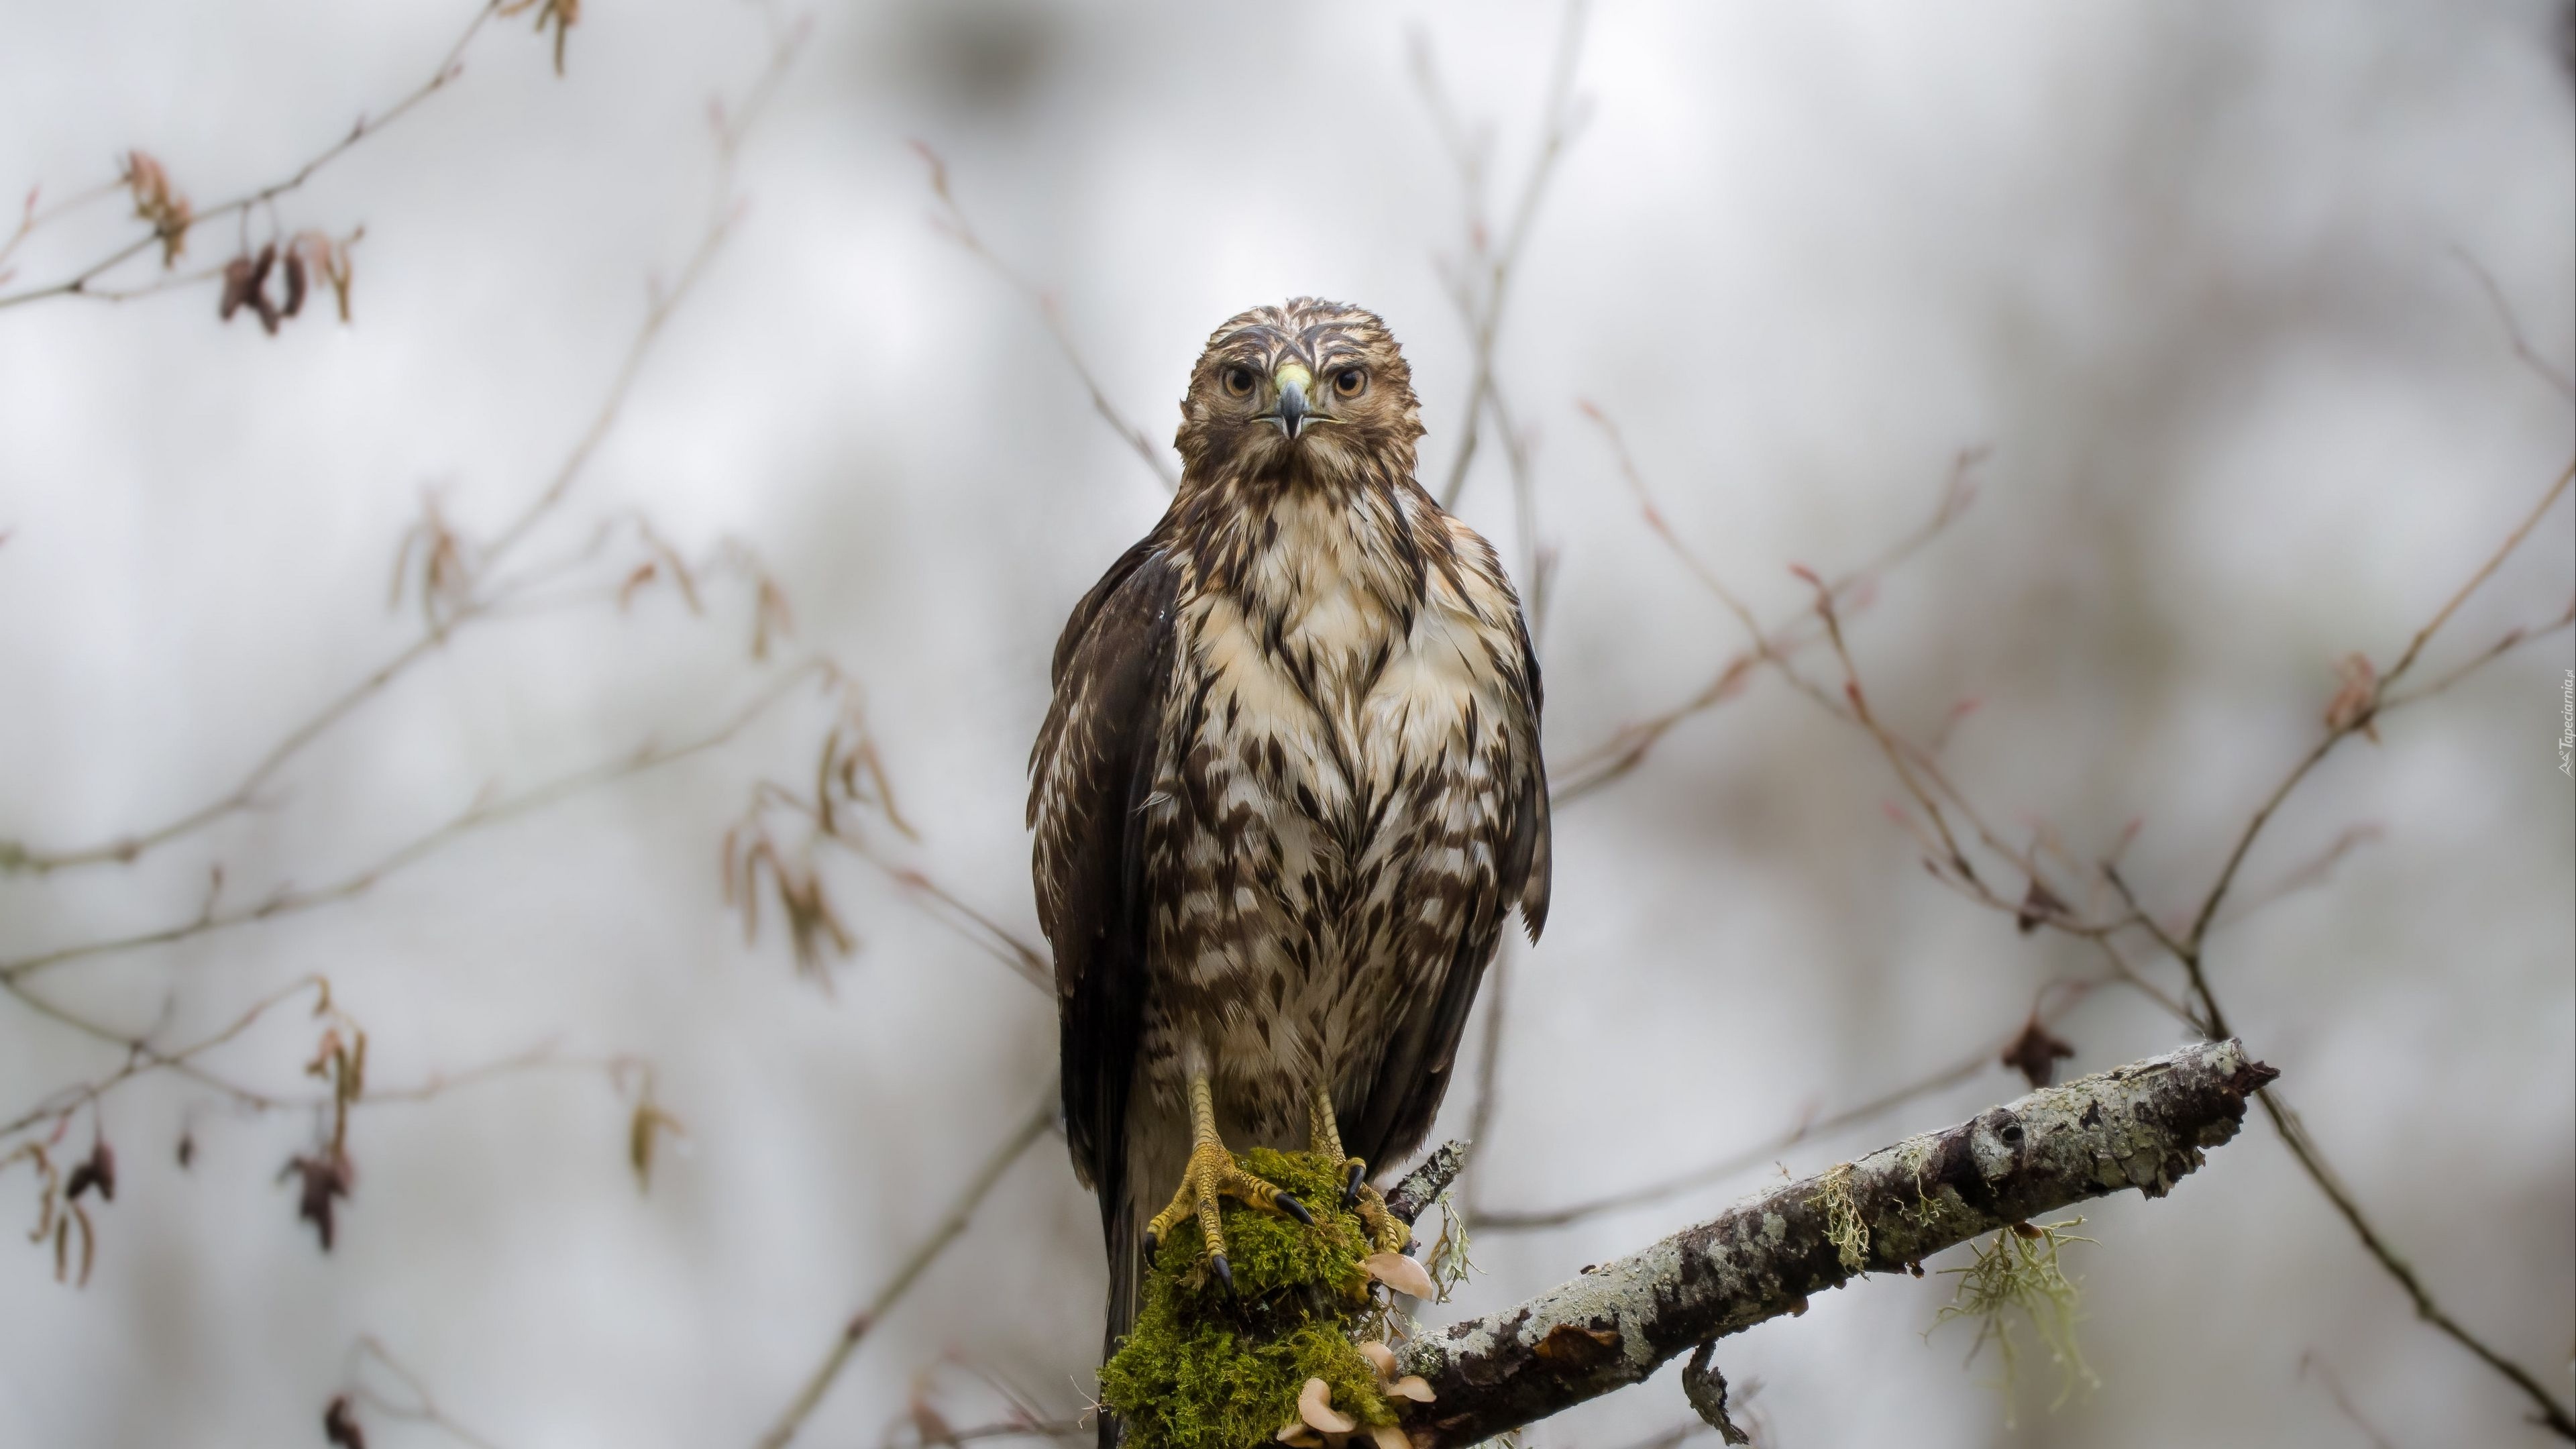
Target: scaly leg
<point x="1211" y="1174"/>
<point x="1386" y="1234"/>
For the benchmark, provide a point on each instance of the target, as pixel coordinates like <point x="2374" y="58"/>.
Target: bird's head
<point x="1308" y="389"/>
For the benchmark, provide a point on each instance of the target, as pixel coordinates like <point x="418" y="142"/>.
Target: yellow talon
<point x="1386" y="1233"/>
<point x="1211" y="1175"/>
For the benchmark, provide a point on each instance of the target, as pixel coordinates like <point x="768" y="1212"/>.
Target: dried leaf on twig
<point x="2035" y="1054"/>
<point x="2357" y="700"/>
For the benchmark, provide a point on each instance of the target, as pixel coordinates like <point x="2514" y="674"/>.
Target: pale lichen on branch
<point x="2143" y="1126"/>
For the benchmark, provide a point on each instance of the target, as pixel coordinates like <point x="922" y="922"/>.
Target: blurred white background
<point x="2192" y="272"/>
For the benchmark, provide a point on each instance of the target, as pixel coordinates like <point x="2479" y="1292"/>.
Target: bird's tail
<point x="1126" y="1284"/>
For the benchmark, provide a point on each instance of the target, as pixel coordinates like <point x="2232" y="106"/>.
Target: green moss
<point x="1203" y="1369"/>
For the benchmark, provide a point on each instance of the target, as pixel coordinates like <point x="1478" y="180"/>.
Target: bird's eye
<point x="1238" y="381"/>
<point x="1349" y="381"/>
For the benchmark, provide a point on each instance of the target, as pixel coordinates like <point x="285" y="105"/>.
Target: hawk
<point x="1285" y="797"/>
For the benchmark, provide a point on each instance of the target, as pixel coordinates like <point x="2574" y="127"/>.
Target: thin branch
<point x="2423" y="636"/>
<point x="1775" y="645"/>
<point x="2540" y="366"/>
<point x="2141" y="1126"/>
<point x="2509" y="641"/>
<point x="2310" y="1363"/>
<point x="952" y="220"/>
<point x="724" y="212"/>
<point x="491" y="600"/>
<point x="950" y="1227"/>
<point x="1484" y="283"/>
<point x="449" y="67"/>
<point x="1673" y="1437"/>
<point x="418" y="1407"/>
<point x="31" y="217"/>
<point x="942" y="904"/>
<point x="1535" y="1220"/>
<point x="2368" y="696"/>
<point x="953" y="911"/>
<point x="2318" y="870"/>
<point x="143" y="1058"/>
<point x="1495" y="999"/>
<point x="540" y="1058"/>
<point x="1897" y="755"/>
<point x="1005" y="1429"/>
<point x="2357" y="712"/>
<point x="292" y="901"/>
<point x="1413" y="1195"/>
<point x="2363" y="718"/>
<point x="1538" y="557"/>
<point x="243" y="796"/>
<point x="2295" y="1133"/>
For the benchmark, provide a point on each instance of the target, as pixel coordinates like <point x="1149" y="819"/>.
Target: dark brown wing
<point x="1411" y="1079"/>
<point x="1089" y="773"/>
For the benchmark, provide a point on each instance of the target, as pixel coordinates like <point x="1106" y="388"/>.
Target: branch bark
<point x="2143" y="1126"/>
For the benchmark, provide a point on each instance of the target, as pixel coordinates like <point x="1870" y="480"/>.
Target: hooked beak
<point x="1291" y="416"/>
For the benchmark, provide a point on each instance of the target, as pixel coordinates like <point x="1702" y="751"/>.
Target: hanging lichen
<point x="2019" y="1271"/>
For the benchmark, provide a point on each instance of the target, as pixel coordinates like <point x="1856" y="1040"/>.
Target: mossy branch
<point x="2143" y="1126"/>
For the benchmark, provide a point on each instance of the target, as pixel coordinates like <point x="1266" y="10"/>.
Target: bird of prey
<point x="1286" y="795"/>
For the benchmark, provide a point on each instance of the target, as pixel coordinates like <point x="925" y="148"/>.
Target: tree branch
<point x="1413" y="1196"/>
<point x="952" y="220"/>
<point x="477" y="816"/>
<point x="951" y="1227"/>
<point x="486" y="593"/>
<point x="1483" y="280"/>
<point x="78" y="284"/>
<point x="1533" y="1220"/>
<point x="2143" y="1126"/>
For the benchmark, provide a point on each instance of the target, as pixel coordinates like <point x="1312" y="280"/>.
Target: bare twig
<point x="1495" y="1001"/>
<point x="78" y="283"/>
<point x="1534" y="1220"/>
<point x="2368" y="696"/>
<point x="1413" y="1195"/>
<point x="489" y="592"/>
<point x="950" y="1227"/>
<point x="1481" y="284"/>
<point x="292" y="900"/>
<point x="1678" y="1434"/>
<point x="947" y="907"/>
<point x="2294" y="1132"/>
<point x="142" y="1057"/>
<point x="31" y="217"/>
<point x="414" y="1405"/>
<point x="2360" y="719"/>
<point x="2309" y="1363"/>
<point x="2541" y="367"/>
<point x="724" y="211"/>
<point x="1003" y="1429"/>
<point x="1775" y="645"/>
<point x="2315" y="872"/>
<point x="951" y="219"/>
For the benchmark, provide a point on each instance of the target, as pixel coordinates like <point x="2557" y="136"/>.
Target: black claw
<point x="1152" y="1245"/>
<point x="1224" y="1274"/>
<point x="1295" y="1209"/>
<point x="1351" y="1187"/>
